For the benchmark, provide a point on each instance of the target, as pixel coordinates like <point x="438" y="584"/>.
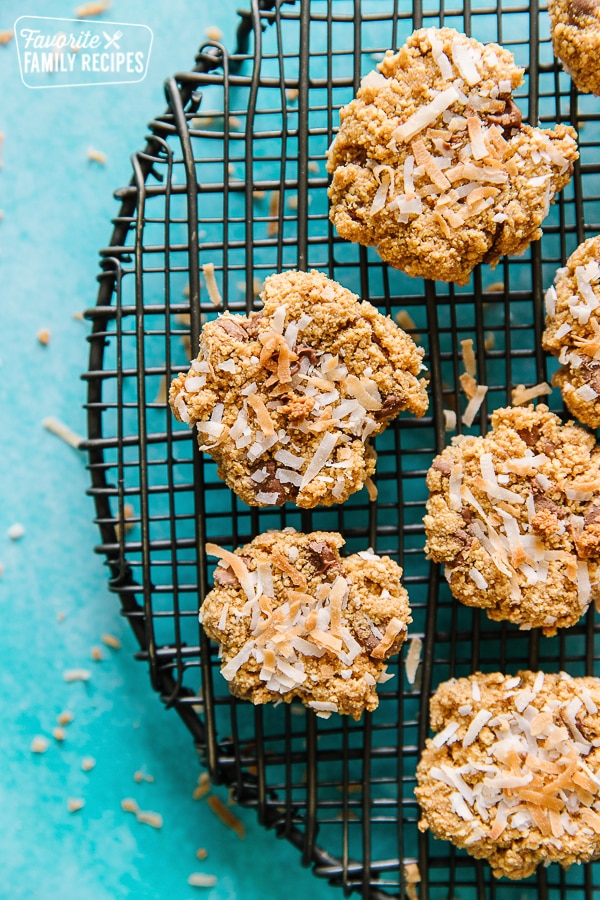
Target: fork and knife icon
<point x="112" y="41"/>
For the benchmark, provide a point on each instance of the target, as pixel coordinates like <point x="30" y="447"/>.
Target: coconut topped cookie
<point x="573" y="331"/>
<point x="515" y="517"/>
<point x="433" y="165"/>
<point x="287" y="399"/>
<point x="293" y="619"/>
<point x="576" y="40"/>
<point x="513" y="773"/>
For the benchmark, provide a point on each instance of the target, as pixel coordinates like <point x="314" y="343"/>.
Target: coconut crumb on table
<point x="202" y="853"/>
<point x="76" y="675"/>
<point x="111" y="641"/>
<point x="58" y="734"/>
<point x="88" y="763"/>
<point x="43" y="336"/>
<point x="74" y="804"/>
<point x="94" y="8"/>
<point x="226" y="816"/>
<point x="96" y="156"/>
<point x="200" y="879"/>
<point x="65" y="717"/>
<point x="6" y="37"/>
<point x="54" y="425"/>
<point x="39" y="744"/>
<point x="521" y="395"/>
<point x="16" y="531"/>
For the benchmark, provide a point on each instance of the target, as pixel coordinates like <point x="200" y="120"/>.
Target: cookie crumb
<point x="88" y="763"/>
<point x="213" y="33"/>
<point x="43" y="336"/>
<point x="39" y="744"/>
<point x="74" y="804"/>
<point x="76" y="675"/>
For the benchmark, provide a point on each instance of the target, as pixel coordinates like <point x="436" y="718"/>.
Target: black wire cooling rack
<point x="233" y="173"/>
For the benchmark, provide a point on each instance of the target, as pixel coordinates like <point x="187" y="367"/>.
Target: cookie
<point x="432" y="164"/>
<point x="295" y="620"/>
<point x="575" y="26"/>
<point x="513" y="773"/>
<point x="515" y="517"/>
<point x="573" y="331"/>
<point x="288" y="400"/>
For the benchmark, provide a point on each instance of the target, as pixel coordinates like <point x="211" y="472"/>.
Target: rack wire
<point x="233" y="173"/>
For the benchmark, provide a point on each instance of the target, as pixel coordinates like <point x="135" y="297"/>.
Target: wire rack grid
<point x="233" y="173"/>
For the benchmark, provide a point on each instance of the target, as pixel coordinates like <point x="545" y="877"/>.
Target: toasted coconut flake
<point x="442" y="737"/>
<point x="425" y="115"/>
<point x="201" y="879"/>
<point x="77" y="675"/>
<point x="468" y="384"/>
<point x="95" y="8"/>
<point x="147" y="817"/>
<point x="262" y="415"/>
<point x="381" y="193"/>
<point x="413" y="658"/>
<point x="39" y="744"/>
<point x="476" y="136"/>
<point x="51" y="423"/>
<point x="320" y="458"/>
<point x="474" y="405"/>
<point x="238" y="566"/>
<point x="478" y="579"/>
<point x="480" y="720"/>
<point x="522" y="395"/>
<point x="449" y="420"/>
<point x="462" y="57"/>
<point x="273" y="223"/>
<point x="468" y="355"/>
<point x="393" y="629"/>
<point x="357" y="388"/>
<point x="226" y="816"/>
<point x="424" y="158"/>
<point x="211" y="284"/>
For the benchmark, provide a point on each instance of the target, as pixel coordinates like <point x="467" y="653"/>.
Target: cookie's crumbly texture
<point x="287" y="400"/>
<point x="296" y="620"/>
<point x="432" y="164"/>
<point x="515" y="516"/>
<point x="513" y="774"/>
<point x="576" y="40"/>
<point x="573" y="331"/>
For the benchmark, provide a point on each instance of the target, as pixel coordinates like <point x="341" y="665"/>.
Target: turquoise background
<point x="57" y="209"/>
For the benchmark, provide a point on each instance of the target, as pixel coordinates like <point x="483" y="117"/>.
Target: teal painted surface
<point x="57" y="208"/>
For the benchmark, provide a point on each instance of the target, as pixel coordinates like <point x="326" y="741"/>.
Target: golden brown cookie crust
<point x="576" y="40"/>
<point x="573" y="331"/>
<point x="299" y="621"/>
<point x="287" y="400"/>
<point x="515" y="517"/>
<point x="470" y="185"/>
<point x="513" y="773"/>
